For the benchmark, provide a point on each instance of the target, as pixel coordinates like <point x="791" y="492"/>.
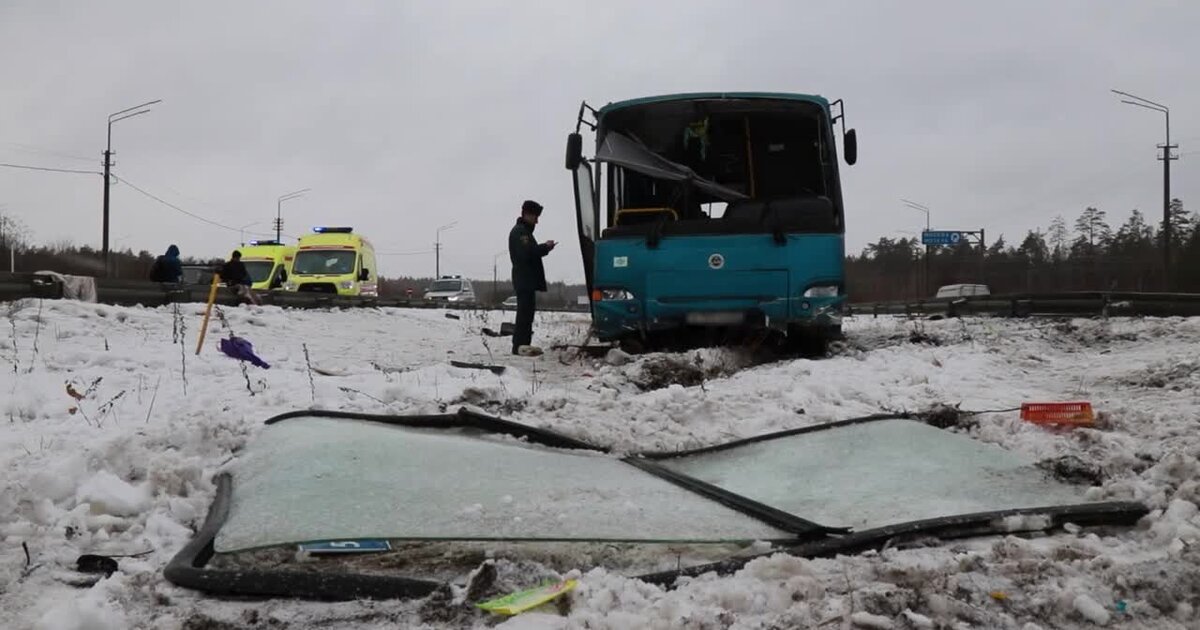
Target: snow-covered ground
<point x="111" y="429"/>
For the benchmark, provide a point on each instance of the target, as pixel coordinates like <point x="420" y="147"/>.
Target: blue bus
<point x="704" y="216"/>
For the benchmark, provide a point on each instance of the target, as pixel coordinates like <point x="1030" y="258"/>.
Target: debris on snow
<point x="1092" y="610"/>
<point x="1072" y="469"/>
<point x="617" y="357"/>
<point x="863" y="619"/>
<point x="917" y="621"/>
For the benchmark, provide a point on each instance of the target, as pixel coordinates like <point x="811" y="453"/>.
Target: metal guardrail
<point x="1085" y="303"/>
<point x="16" y="286"/>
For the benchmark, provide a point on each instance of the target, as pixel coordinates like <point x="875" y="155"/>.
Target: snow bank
<point x="130" y="470"/>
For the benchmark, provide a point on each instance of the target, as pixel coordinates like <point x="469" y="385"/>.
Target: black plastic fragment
<point x="91" y="563"/>
<point x="466" y="365"/>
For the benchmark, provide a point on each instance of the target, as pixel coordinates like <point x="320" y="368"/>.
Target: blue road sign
<point x="940" y="237"/>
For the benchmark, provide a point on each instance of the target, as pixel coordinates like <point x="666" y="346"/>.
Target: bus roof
<point x="691" y="96"/>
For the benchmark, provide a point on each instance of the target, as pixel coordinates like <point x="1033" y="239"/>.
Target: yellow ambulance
<point x="268" y="263"/>
<point x="334" y="260"/>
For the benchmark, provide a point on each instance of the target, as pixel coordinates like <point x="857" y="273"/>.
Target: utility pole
<point x="982" y="256"/>
<point x="3" y="243"/>
<point x="279" y="211"/>
<point x="922" y="208"/>
<point x="437" y="249"/>
<point x="496" y="279"/>
<point x="137" y="110"/>
<point x="1166" y="158"/>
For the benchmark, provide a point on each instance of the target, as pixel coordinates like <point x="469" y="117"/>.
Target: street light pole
<point x="437" y="249"/>
<point x="1166" y="158"/>
<point x="495" y="279"/>
<point x="242" y="232"/>
<point x="922" y="208"/>
<point x="137" y="110"/>
<point x="279" y="211"/>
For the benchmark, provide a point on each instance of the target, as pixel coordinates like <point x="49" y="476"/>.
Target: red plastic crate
<point x="1068" y="413"/>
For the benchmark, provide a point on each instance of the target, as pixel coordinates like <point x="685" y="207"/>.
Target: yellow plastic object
<point x="212" y="297"/>
<point x="626" y="212"/>
<point x="521" y="601"/>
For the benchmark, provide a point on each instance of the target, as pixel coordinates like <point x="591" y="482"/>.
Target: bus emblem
<point x="716" y="261"/>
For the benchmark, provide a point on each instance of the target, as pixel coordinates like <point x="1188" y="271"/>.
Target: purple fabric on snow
<point x="241" y="350"/>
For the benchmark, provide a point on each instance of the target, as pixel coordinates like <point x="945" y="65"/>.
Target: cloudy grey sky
<point x="403" y="116"/>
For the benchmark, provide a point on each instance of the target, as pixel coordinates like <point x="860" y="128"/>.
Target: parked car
<point x="451" y="289"/>
<point x="198" y="274"/>
<point x="963" y="290"/>
<point x="509" y="302"/>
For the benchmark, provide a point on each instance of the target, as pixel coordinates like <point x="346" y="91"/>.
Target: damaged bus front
<point x="702" y="216"/>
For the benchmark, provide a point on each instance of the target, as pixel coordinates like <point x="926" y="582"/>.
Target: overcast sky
<point x="404" y="116"/>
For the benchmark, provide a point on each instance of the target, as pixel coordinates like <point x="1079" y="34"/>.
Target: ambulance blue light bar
<point x="265" y="243"/>
<point x="333" y="230"/>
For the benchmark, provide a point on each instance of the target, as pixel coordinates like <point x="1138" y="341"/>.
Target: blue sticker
<point x="347" y="546"/>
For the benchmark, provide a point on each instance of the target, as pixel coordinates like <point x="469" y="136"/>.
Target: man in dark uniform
<point x="528" y="274"/>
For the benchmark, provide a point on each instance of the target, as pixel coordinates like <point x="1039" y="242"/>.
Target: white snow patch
<point x="109" y="494"/>
<point x="1091" y="610"/>
<point x="83" y="613"/>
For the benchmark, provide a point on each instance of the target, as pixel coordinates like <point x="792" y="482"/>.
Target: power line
<point x="178" y="209"/>
<point x="29" y="148"/>
<point x="51" y="170"/>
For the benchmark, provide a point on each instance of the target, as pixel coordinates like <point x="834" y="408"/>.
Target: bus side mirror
<point x="850" y="146"/>
<point x="364" y="275"/>
<point x="574" y="151"/>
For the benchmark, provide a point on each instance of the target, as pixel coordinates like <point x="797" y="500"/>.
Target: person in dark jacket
<point x="236" y="277"/>
<point x="528" y="274"/>
<point x="168" y="267"/>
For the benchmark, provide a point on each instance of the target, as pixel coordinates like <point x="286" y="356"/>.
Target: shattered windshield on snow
<point x="432" y="496"/>
<point x="317" y="479"/>
<point x="310" y="479"/>
<point x="879" y="473"/>
<point x="317" y="262"/>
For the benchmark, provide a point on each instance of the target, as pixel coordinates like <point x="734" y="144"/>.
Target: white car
<point x="451" y="289"/>
<point x="963" y="290"/>
<point x="509" y="302"/>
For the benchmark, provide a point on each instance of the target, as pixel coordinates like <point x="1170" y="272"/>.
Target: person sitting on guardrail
<point x="168" y="267"/>
<point x="237" y="277"/>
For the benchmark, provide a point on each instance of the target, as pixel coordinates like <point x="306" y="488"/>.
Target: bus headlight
<point x="611" y="295"/>
<point x="290" y="286"/>
<point x="823" y="291"/>
<point x="346" y="284"/>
